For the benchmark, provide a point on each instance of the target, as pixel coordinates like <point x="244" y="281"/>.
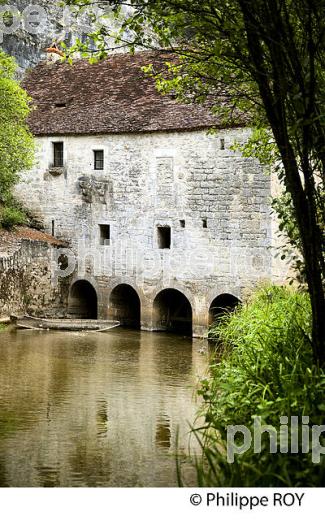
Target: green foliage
<point x="16" y="142"/>
<point x="261" y="146"/>
<point x="291" y="249"/>
<point x="266" y="370"/>
<point x="11" y="216"/>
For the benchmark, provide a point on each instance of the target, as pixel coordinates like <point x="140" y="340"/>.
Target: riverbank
<point x="4" y="323"/>
<point x="266" y="373"/>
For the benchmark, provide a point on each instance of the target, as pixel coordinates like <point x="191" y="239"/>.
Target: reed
<point x="266" y="370"/>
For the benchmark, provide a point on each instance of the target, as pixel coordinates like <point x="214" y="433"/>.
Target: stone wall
<point x="26" y="281"/>
<point x="215" y="202"/>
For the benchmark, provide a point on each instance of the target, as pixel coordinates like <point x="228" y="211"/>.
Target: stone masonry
<point x="26" y="267"/>
<point x="215" y="202"/>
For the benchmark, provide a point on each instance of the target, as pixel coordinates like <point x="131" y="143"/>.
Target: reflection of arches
<point x="172" y="312"/>
<point x="83" y="300"/>
<point x="124" y="306"/>
<point x="221" y="304"/>
<point x="163" y="432"/>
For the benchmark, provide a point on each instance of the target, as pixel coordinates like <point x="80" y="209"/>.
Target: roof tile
<point x="111" y="96"/>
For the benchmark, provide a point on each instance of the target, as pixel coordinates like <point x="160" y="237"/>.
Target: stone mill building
<point x="166" y="224"/>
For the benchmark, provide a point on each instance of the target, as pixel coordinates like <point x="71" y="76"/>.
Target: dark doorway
<point x="83" y="300"/>
<point x="164" y="237"/>
<point x="220" y="305"/>
<point x="173" y="312"/>
<point x="124" y="306"/>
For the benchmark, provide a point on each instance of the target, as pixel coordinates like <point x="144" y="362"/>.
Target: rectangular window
<point x="98" y="159"/>
<point x="164" y="237"/>
<point x="105" y="234"/>
<point x="182" y="223"/>
<point x="58" y="155"/>
<point x="204" y="223"/>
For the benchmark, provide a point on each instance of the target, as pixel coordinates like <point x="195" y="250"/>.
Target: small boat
<point x="64" y="324"/>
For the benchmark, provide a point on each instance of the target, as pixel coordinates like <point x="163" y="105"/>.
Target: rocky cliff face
<point x="27" y="40"/>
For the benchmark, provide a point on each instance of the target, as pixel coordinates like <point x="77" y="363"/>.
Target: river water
<point x="96" y="409"/>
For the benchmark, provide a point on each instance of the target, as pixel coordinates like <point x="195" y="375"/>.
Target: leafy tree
<point x="257" y="60"/>
<point x="16" y="142"/>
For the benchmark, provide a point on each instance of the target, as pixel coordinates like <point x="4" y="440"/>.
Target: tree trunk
<point x="273" y="94"/>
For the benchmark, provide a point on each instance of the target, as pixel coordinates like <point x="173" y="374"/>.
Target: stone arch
<point x="172" y="312"/>
<point x="125" y="306"/>
<point x="173" y="284"/>
<point x="223" y="303"/>
<point x="83" y="300"/>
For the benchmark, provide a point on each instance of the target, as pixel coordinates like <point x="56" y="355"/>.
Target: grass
<point x="266" y="370"/>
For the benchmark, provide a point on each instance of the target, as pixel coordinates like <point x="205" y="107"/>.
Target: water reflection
<point x="102" y="417"/>
<point x="95" y="409"/>
<point x="163" y="433"/>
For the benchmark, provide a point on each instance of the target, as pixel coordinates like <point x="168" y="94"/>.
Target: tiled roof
<point x="111" y="96"/>
<point x="11" y="240"/>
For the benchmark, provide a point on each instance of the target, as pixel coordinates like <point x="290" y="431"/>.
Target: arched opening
<point x="124" y="306"/>
<point x="220" y="305"/>
<point x="172" y="312"/>
<point x="82" y="301"/>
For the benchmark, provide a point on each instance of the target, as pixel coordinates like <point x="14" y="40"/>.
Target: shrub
<point x="11" y="216"/>
<point x="266" y="370"/>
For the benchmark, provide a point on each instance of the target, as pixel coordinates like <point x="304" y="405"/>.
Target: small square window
<point x="164" y="237"/>
<point x="182" y="223"/>
<point x="98" y="159"/>
<point x="105" y="234"/>
<point x="58" y="155"/>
